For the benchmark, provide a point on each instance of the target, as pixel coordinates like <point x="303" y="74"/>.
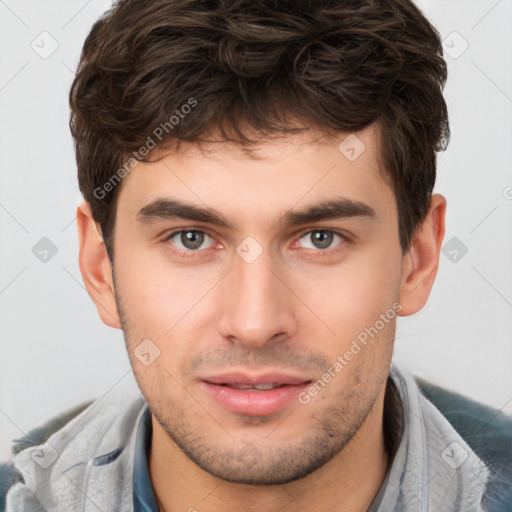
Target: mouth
<point x="252" y="394"/>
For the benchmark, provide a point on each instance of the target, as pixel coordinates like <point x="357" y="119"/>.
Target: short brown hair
<point x="335" y="65"/>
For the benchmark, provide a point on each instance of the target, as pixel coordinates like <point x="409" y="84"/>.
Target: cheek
<point x="170" y="307"/>
<point x="155" y="295"/>
<point x="352" y="296"/>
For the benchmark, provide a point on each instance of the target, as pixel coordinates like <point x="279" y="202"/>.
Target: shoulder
<point x="486" y="430"/>
<point x="75" y="434"/>
<point x="9" y="475"/>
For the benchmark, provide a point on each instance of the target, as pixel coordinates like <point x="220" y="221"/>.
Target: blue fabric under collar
<point x="143" y="494"/>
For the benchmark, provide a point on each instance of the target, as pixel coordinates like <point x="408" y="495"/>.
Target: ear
<point x="419" y="268"/>
<point x="95" y="266"/>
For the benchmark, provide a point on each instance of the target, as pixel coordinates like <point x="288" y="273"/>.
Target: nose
<point x="257" y="304"/>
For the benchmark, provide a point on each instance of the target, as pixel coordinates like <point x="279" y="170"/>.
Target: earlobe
<point x="95" y="266"/>
<point x="422" y="260"/>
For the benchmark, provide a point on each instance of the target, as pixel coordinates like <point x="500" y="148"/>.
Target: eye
<point x="189" y="240"/>
<point x="321" y="238"/>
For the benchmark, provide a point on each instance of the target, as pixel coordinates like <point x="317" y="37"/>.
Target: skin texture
<point x="296" y="308"/>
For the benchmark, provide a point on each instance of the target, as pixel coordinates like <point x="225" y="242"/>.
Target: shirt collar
<point x="424" y="474"/>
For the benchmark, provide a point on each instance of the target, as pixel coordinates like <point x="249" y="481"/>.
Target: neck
<point x="353" y="478"/>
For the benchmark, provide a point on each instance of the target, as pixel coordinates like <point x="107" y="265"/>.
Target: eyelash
<point x="191" y="253"/>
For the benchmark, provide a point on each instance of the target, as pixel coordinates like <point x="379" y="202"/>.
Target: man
<point x="258" y="211"/>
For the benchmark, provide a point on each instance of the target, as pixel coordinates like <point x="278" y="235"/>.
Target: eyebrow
<point x="171" y="209"/>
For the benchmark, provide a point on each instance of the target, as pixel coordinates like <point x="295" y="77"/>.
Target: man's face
<point x="259" y="301"/>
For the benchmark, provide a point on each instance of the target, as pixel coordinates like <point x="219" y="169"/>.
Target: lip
<point x="239" y="377"/>
<point x="253" y="402"/>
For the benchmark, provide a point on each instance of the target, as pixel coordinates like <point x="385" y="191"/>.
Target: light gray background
<point x="55" y="351"/>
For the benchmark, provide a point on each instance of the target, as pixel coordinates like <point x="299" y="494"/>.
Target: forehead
<point x="296" y="169"/>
